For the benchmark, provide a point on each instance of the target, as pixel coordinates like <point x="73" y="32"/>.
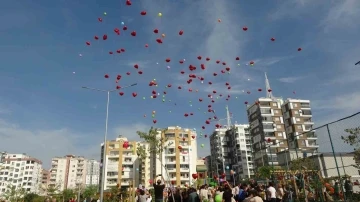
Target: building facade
<point x="209" y="168"/>
<point x="299" y="125"/>
<point x="241" y="157"/>
<point x="21" y="171"/>
<point x="219" y="149"/>
<point x="177" y="163"/>
<point x="121" y="163"/>
<point x="277" y="125"/>
<point x="145" y="168"/>
<point x="92" y="172"/>
<point x="68" y="172"/>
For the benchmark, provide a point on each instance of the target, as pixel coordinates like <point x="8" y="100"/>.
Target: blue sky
<point x="44" y="111"/>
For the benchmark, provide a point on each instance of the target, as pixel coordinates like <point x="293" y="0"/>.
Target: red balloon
<point x="143" y="13"/>
<point x="181" y="32"/>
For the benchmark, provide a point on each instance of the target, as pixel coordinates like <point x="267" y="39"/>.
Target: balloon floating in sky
<point x="207" y="79"/>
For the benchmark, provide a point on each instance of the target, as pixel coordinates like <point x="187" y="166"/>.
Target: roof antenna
<point x="268" y="89"/>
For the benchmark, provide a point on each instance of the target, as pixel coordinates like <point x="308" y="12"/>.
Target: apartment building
<point x="92" y="172"/>
<point x="299" y="125"/>
<point x="145" y="167"/>
<point x="68" y="172"/>
<point x="240" y="155"/>
<point x="209" y="168"/>
<point x="21" y="171"/>
<point x="272" y="120"/>
<point x="219" y="149"/>
<point x="177" y="163"/>
<point x="121" y="163"/>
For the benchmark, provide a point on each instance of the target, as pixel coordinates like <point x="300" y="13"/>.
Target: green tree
<point x="112" y="195"/>
<point x="265" y="172"/>
<point x="301" y="163"/>
<point x="67" y="194"/>
<point x="353" y="139"/>
<point x="90" y="191"/>
<point x="32" y="197"/>
<point x="14" y="193"/>
<point x="156" y="144"/>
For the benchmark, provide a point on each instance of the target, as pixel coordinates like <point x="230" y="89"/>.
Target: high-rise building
<point x="240" y="155"/>
<point x="299" y="125"/>
<point x="45" y="178"/>
<point x="145" y="168"/>
<point x="179" y="156"/>
<point x="209" y="168"/>
<point x="68" y="172"/>
<point x="121" y="163"/>
<point x="92" y="172"/>
<point x="219" y="148"/>
<point x="21" y="171"/>
<point x="272" y="121"/>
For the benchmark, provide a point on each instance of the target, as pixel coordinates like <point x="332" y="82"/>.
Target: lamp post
<point x="105" y="135"/>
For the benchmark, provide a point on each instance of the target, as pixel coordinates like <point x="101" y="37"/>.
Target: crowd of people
<point x="252" y="192"/>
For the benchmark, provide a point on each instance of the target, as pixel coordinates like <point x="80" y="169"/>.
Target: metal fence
<point x="317" y="162"/>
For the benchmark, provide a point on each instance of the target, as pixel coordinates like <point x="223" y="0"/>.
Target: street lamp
<point x="105" y="135"/>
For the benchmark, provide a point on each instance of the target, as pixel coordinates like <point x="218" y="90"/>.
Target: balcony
<point x="265" y="111"/>
<point x="305" y="105"/>
<point x="311" y="135"/>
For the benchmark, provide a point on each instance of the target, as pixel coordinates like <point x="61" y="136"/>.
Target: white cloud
<point x="345" y="103"/>
<point x="290" y="79"/>
<point x="45" y="144"/>
<point x="130" y="131"/>
<point x="291" y="8"/>
<point x="342" y="15"/>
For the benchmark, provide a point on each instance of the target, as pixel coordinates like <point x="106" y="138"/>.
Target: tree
<point x="32" y="197"/>
<point x="113" y="195"/>
<point x="156" y="145"/>
<point x="353" y="139"/>
<point x="67" y="194"/>
<point x="90" y="191"/>
<point x="302" y="163"/>
<point x="265" y="172"/>
<point x="14" y="193"/>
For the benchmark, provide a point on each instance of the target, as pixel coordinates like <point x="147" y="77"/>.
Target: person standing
<point x="271" y="193"/>
<point x="279" y="193"/>
<point x="159" y="189"/>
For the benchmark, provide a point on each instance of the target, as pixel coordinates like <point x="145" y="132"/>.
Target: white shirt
<point x="236" y="190"/>
<point x="204" y="194"/>
<point x="272" y="192"/>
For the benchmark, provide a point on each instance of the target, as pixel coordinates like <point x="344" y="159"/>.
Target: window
<point x="276" y="111"/>
<point x="274" y="104"/>
<point x="299" y="126"/>
<point x="297" y="119"/>
<point x="295" y="105"/>
<point x="278" y="126"/>
<point x="277" y="119"/>
<point x="296" y="112"/>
